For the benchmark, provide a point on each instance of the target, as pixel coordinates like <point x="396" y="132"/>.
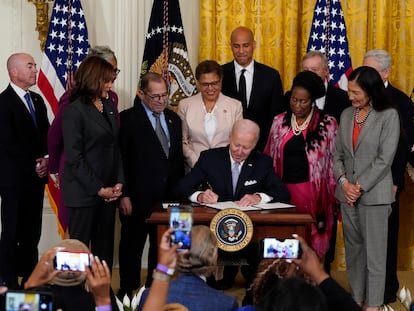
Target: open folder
<point x="257" y="207"/>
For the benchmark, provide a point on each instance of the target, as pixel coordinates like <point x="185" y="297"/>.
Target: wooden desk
<point x="274" y="223"/>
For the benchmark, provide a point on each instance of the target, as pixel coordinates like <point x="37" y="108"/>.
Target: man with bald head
<point x="23" y="154"/>
<point x="256" y="183"/>
<point x="261" y="91"/>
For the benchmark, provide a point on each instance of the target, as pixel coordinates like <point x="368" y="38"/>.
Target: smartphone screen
<point x="181" y="220"/>
<point x="274" y="248"/>
<point x="71" y="261"/>
<point x="28" y="301"/>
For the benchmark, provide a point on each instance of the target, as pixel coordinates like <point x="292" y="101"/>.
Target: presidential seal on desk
<point x="233" y="229"/>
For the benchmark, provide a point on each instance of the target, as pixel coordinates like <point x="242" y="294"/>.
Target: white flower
<point x="405" y="297"/>
<point x="126" y="301"/>
<point x="119" y="304"/>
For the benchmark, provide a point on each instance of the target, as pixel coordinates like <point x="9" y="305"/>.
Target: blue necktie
<point x="31" y="108"/>
<point x="235" y="175"/>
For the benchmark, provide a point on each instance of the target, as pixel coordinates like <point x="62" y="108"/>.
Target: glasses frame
<point x="157" y="97"/>
<point x="213" y="84"/>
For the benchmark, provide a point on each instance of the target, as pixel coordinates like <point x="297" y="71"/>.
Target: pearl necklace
<point x="297" y="129"/>
<point x="361" y="122"/>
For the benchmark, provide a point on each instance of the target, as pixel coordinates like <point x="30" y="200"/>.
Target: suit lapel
<point x="349" y="128"/>
<point x="245" y="172"/>
<point x="369" y="123"/>
<point x="98" y="118"/>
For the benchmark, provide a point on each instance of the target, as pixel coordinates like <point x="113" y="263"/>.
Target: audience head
<point x="70" y="278"/>
<point x="202" y="257"/>
<point x="93" y="79"/>
<point x="153" y="91"/>
<point x="293" y="294"/>
<point x="105" y="52"/>
<point x="243" y="139"/>
<point x="380" y="60"/>
<point x="242" y="45"/>
<point x="209" y="75"/>
<point x="316" y="62"/>
<point x="366" y="88"/>
<point x="269" y="272"/>
<point x="22" y="70"/>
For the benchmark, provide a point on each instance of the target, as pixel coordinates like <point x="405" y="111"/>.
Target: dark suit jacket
<point x="192" y="292"/>
<point x="336" y="101"/>
<point x="266" y="99"/>
<point x="214" y="166"/>
<point x="91" y="147"/>
<point x="21" y="143"/>
<point x="149" y="174"/>
<point x="406" y="111"/>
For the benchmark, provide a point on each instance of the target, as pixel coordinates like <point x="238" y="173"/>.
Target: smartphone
<point x="71" y="261"/>
<point x="28" y="301"/>
<point x="181" y="220"/>
<point x="274" y="248"/>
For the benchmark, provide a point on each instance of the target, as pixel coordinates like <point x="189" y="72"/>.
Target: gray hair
<point x="319" y="54"/>
<point x="202" y="257"/>
<point x="381" y="56"/>
<point x="102" y="51"/>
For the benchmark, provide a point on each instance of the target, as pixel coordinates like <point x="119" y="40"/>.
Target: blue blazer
<point x="214" y="166"/>
<point x="192" y="292"/>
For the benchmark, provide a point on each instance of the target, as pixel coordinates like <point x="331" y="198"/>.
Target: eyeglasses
<point x="301" y="102"/>
<point x="117" y="71"/>
<point x="213" y="84"/>
<point x="157" y="97"/>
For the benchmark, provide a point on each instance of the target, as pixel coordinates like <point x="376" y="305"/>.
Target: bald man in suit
<point x="264" y="91"/>
<point x="23" y="149"/>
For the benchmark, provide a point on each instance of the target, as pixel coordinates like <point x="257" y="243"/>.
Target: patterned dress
<point x="315" y="191"/>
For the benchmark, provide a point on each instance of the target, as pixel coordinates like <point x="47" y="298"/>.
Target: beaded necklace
<point x="297" y="129"/>
<point x="361" y="122"/>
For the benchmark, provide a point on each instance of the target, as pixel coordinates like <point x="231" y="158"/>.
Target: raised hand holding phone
<point x="181" y="221"/>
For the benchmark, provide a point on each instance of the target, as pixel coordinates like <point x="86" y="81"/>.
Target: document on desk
<point x="230" y="204"/>
<point x="257" y="207"/>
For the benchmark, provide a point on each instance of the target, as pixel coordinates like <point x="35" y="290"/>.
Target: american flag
<point x="66" y="46"/>
<point x="328" y="35"/>
<point x="166" y="50"/>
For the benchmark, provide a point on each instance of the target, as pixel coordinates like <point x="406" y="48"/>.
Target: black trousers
<point x="134" y="232"/>
<point x="21" y="221"/>
<point x="94" y="226"/>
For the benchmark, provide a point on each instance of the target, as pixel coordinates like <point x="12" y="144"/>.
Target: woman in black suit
<point x="93" y="175"/>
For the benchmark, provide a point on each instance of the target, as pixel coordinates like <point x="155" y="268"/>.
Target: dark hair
<point x="371" y="82"/>
<point x="311" y="82"/>
<point x="293" y="294"/>
<point x="208" y="66"/>
<point x="90" y="78"/>
<point x="268" y="273"/>
<point x="148" y="77"/>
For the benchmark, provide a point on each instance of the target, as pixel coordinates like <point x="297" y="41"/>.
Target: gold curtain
<point x="282" y="29"/>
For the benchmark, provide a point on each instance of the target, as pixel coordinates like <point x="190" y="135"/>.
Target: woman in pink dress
<point x="301" y="143"/>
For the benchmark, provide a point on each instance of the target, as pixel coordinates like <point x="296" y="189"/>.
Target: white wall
<point x="121" y="24"/>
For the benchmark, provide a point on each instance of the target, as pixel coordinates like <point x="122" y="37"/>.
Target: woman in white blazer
<point x="209" y="115"/>
<point x="365" y="146"/>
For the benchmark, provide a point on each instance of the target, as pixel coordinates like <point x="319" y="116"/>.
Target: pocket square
<point x="250" y="182"/>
